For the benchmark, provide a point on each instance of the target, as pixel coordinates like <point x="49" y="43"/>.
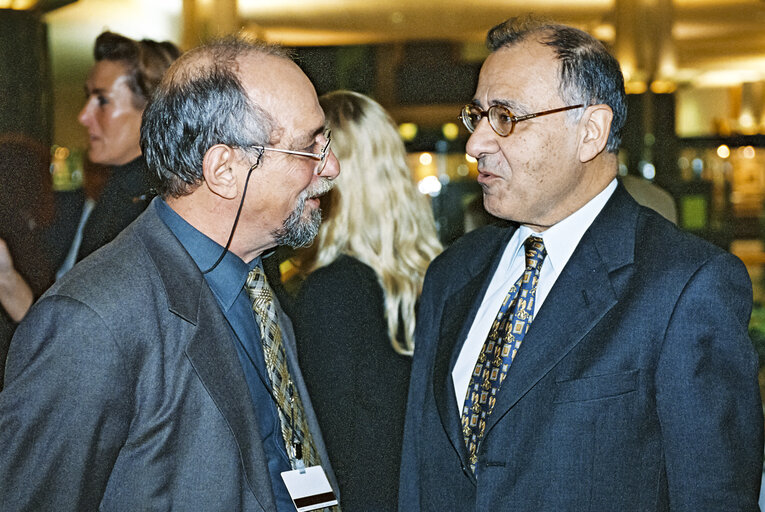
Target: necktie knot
<point x="258" y="290"/>
<point x="535" y="252"/>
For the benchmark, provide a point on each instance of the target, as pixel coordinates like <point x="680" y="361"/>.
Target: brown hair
<point x="146" y="61"/>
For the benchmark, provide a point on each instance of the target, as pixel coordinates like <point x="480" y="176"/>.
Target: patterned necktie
<point x="294" y="427"/>
<point x="499" y="349"/>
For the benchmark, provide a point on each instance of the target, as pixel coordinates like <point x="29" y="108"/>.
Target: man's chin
<point x="493" y="205"/>
<point x="300" y="232"/>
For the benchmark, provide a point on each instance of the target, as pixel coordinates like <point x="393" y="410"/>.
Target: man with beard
<point x="160" y="373"/>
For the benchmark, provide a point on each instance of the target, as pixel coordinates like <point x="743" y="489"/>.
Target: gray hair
<point x="201" y="102"/>
<point x="589" y="74"/>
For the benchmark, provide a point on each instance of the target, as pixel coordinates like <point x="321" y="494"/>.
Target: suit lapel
<point x="581" y="296"/>
<point x="210" y="348"/>
<point x="459" y="311"/>
<point x="213" y="356"/>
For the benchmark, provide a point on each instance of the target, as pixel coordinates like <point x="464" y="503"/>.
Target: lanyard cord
<point x="236" y="219"/>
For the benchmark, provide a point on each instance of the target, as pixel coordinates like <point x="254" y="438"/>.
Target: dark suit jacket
<point x="635" y="388"/>
<point x="124" y="391"/>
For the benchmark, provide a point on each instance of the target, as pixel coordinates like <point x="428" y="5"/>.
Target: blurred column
<point x="663" y="62"/>
<point x="25" y="81"/>
<point x="191" y="36"/>
<point x="751" y="116"/>
<point x="224" y="18"/>
<point x="646" y="51"/>
<point x="203" y="20"/>
<point x="661" y="72"/>
<point x="644" y="44"/>
<point x="627" y="24"/>
<point x="387" y="60"/>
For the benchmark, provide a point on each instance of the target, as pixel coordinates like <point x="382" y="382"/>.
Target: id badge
<point x="309" y="489"/>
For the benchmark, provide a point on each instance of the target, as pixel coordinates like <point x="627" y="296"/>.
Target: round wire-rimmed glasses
<point x="501" y="119"/>
<point x="321" y="156"/>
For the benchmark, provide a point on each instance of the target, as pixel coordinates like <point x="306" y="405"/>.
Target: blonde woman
<point x="355" y="312"/>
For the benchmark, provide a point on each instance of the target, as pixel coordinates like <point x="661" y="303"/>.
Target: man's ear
<point x="217" y="168"/>
<point x="596" y="127"/>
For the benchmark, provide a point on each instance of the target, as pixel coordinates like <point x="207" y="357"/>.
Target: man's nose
<point x="332" y="167"/>
<point x="483" y="140"/>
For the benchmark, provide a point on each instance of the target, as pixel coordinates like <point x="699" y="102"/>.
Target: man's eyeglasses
<point x="321" y="156"/>
<point x="501" y="119"/>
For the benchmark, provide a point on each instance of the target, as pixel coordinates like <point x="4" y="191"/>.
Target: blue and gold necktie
<point x="499" y="349"/>
<point x="294" y="427"/>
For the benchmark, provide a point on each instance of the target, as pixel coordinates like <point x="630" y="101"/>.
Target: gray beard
<point x="297" y="232"/>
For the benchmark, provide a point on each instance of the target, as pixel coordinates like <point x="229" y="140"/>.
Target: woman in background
<point x="119" y="86"/>
<point x="355" y="312"/>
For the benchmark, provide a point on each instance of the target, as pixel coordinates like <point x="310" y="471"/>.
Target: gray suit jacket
<point x="124" y="391"/>
<point x="635" y="388"/>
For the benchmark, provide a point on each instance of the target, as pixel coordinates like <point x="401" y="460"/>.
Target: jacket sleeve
<point x="65" y="409"/>
<point x="707" y="393"/>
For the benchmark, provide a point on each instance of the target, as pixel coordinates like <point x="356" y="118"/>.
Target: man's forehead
<point x="512" y="75"/>
<point x="281" y="88"/>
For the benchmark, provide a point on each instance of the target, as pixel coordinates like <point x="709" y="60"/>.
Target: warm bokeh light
<point x="450" y="131"/>
<point x="408" y="131"/>
<point x="747" y="123"/>
<point x="728" y="77"/>
<point x="426" y="159"/>
<point x="723" y="151"/>
<point x="663" y="87"/>
<point x="635" y="87"/>
<point x="470" y="159"/>
<point x="21" y="5"/>
<point x="748" y="152"/>
<point x="61" y="153"/>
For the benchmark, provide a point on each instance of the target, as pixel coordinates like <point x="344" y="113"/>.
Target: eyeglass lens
<point x="500" y="118"/>
<point x="324" y="152"/>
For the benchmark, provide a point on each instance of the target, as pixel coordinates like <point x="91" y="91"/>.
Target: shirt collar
<point x="228" y="278"/>
<point x="562" y="238"/>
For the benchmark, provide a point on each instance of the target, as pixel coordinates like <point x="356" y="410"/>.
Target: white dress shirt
<point x="560" y="241"/>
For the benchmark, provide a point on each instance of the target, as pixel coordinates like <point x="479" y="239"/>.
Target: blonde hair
<point x="375" y="213"/>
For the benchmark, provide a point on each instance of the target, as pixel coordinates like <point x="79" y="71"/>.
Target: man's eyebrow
<point x="513" y="106"/>
<point x="310" y="138"/>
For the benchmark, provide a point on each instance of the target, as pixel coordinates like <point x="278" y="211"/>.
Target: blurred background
<point x="695" y="74"/>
